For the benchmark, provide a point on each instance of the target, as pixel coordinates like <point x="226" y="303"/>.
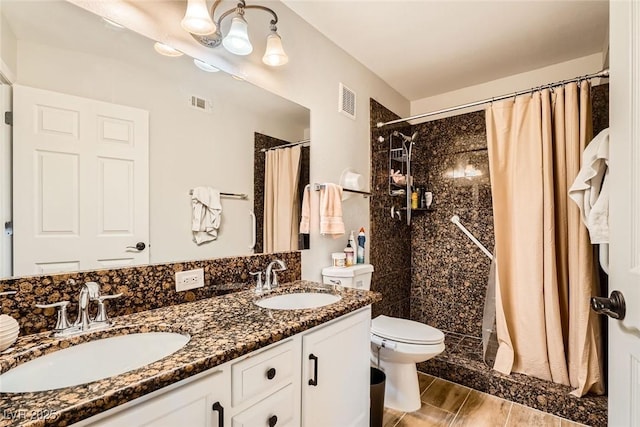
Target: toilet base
<point x="401" y="391"/>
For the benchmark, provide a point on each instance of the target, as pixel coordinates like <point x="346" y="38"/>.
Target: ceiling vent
<point x="347" y="102"/>
<point x="200" y="103"/>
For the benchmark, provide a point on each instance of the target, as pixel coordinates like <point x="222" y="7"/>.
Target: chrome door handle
<point x="614" y="306"/>
<point x="139" y="246"/>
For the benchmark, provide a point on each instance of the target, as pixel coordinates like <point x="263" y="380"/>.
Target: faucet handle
<point x="258" y="280"/>
<point x="101" y="315"/>
<point x="62" y="322"/>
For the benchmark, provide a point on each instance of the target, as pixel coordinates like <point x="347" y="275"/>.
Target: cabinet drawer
<point x="263" y="373"/>
<point x="276" y="410"/>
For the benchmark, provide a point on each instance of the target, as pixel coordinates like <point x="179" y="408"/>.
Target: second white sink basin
<point x="91" y="361"/>
<point x="298" y="301"/>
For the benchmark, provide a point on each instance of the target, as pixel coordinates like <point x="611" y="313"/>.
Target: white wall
<point x="565" y="70"/>
<point x="187" y="147"/>
<point x="8" y="49"/>
<point x="311" y="78"/>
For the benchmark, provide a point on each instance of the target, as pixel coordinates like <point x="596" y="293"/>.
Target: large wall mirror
<point x="78" y="78"/>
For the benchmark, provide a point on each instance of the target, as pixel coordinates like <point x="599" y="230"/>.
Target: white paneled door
<point x="80" y="183"/>
<point x="624" y="221"/>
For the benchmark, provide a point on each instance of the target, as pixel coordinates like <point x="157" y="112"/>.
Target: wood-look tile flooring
<point x="447" y="404"/>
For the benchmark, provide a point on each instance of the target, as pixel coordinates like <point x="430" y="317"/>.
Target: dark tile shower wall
<point x="449" y="272"/>
<point x="264" y="141"/>
<point x="390" y="249"/>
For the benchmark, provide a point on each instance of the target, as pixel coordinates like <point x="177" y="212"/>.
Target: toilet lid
<point x="404" y="330"/>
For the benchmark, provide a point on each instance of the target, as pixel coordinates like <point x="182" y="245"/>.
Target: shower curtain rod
<point x="602" y="73"/>
<point x="304" y="142"/>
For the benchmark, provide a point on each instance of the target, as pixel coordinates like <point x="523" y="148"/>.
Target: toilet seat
<point x="405" y="331"/>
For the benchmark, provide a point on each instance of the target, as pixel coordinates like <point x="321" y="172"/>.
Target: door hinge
<point x="8" y="228"/>
<point x="8" y="118"/>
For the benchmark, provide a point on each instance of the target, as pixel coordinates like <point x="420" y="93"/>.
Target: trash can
<point x="376" y="408"/>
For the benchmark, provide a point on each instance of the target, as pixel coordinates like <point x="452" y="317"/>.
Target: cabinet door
<point x="201" y="403"/>
<point x="335" y="373"/>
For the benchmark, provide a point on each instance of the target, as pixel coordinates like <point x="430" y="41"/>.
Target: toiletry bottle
<point x="361" y="240"/>
<point x="414" y="199"/>
<point x="352" y="241"/>
<point x="348" y="251"/>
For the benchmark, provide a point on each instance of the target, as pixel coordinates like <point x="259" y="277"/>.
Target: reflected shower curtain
<point x="281" y="206"/>
<point x="546" y="269"/>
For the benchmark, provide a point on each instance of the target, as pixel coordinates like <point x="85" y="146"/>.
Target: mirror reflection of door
<point x="64" y="223"/>
<point x="281" y="174"/>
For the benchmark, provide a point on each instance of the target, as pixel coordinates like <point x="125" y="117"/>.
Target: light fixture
<point x="205" y="66"/>
<point x="237" y="40"/>
<point x="197" y="20"/>
<point x="166" y="50"/>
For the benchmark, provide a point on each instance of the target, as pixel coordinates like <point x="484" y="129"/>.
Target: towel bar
<point x="238" y="195"/>
<point x="318" y="187"/>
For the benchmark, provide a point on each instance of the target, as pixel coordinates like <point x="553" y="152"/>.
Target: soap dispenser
<point x="9" y="328"/>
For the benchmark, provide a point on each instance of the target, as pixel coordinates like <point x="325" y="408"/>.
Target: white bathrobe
<point x="206" y="213"/>
<point x="590" y="190"/>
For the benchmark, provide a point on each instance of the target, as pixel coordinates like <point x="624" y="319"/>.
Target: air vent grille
<point x="200" y="103"/>
<point x="347" y="101"/>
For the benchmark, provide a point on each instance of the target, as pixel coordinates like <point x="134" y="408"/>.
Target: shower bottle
<point x="361" y="240"/>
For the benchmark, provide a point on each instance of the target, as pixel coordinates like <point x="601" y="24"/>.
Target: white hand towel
<point x="331" y="210"/>
<point x="305" y="212"/>
<point x="206" y="214"/>
<point x="590" y="190"/>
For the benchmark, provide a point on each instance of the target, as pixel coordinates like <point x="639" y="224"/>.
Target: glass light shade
<point x="237" y="41"/>
<point x="274" y="55"/>
<point x="166" y="50"/>
<point x="205" y="66"/>
<point x="196" y="19"/>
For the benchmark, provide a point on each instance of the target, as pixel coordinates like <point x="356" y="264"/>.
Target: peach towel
<point x="305" y="212"/>
<point x="331" y="210"/>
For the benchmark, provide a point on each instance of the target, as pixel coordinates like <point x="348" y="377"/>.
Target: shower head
<point x="404" y="137"/>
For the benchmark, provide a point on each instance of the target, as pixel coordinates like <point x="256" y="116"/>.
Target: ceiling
<point x="423" y="48"/>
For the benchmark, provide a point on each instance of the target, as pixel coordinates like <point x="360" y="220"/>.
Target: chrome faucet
<point x="271" y="279"/>
<point x="90" y="291"/>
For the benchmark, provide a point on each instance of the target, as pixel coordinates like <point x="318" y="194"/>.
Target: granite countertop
<point x="221" y="329"/>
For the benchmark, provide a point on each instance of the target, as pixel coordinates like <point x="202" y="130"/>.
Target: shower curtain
<point x="546" y="269"/>
<point x="281" y="206"/>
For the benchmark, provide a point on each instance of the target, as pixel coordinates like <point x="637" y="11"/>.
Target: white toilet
<point x="398" y="343"/>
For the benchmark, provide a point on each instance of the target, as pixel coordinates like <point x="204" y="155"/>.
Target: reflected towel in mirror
<point x="206" y="214"/>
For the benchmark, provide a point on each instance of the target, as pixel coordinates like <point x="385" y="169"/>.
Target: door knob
<point x="613" y="306"/>
<point x="139" y="246"/>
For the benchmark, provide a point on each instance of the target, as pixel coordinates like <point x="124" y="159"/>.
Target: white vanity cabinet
<point x="203" y="402"/>
<point x="335" y="387"/>
<point x="281" y="385"/>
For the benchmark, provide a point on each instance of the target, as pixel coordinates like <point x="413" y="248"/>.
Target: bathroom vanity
<point x="243" y="366"/>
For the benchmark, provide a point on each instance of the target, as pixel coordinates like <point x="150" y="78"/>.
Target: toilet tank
<point x="357" y="276"/>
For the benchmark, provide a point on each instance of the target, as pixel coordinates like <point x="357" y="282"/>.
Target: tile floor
<point x="447" y="404"/>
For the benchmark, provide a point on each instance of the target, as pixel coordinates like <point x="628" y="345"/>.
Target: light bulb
<point x="166" y="50"/>
<point x="197" y="20"/>
<point x="274" y="54"/>
<point x="237" y="41"/>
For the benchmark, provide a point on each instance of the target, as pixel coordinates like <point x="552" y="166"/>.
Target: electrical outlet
<point x="189" y="279"/>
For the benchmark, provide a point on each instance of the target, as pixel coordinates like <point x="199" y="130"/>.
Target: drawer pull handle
<point x="271" y="373"/>
<point x="314" y="381"/>
<point x="273" y="420"/>
<point x="218" y="408"/>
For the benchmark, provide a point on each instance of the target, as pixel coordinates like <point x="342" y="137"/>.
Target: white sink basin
<point x="91" y="361"/>
<point x="298" y="301"/>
